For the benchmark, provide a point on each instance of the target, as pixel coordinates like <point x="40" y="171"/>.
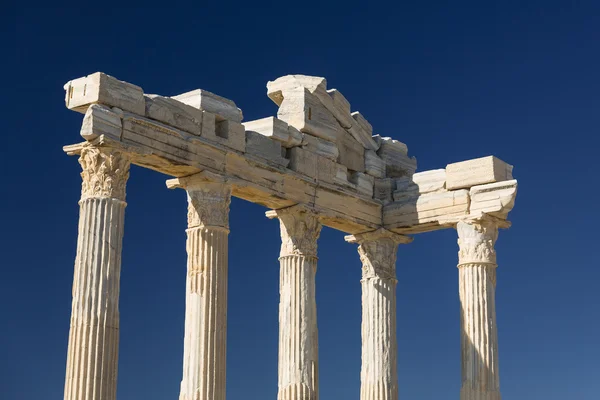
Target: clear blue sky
<point x="454" y="80"/>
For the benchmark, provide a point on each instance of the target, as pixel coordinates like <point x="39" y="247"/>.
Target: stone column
<point x="378" y="375"/>
<point x="94" y="335"/>
<point x="205" y="343"/>
<point x="477" y="286"/>
<point x="298" y="335"/>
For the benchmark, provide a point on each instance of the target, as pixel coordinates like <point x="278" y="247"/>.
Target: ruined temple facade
<point x="316" y="164"/>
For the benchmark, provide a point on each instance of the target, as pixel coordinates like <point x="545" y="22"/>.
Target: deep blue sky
<point x="454" y="80"/>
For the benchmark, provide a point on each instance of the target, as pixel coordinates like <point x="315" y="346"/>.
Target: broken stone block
<point x="265" y="147"/>
<point x="103" y="89"/>
<point x="374" y="165"/>
<point x="495" y="199"/>
<point x="100" y="120"/>
<point x="478" y="171"/>
<point x="339" y="101"/>
<point x="397" y="161"/>
<point x="363" y="123"/>
<point x="304" y="111"/>
<point x="174" y="113"/>
<point x="215" y="104"/>
<point x="277" y="130"/>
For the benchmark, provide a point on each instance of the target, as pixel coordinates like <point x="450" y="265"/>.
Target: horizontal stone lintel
<point x="180" y="140"/>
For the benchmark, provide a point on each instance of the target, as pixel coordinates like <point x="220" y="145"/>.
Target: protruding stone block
<point x="397" y="161"/>
<point x="339" y="100"/>
<point x="174" y="113"/>
<point x="374" y="165"/>
<point x="100" y="120"/>
<point x="363" y="123"/>
<point x="228" y="133"/>
<point x="103" y="89"/>
<point x="304" y="111"/>
<point x="276" y="129"/>
<point x="215" y="104"/>
<point x="477" y="172"/>
<point x="421" y="182"/>
<point x="495" y="199"/>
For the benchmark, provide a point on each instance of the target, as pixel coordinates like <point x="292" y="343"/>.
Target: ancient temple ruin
<point x="317" y="163"/>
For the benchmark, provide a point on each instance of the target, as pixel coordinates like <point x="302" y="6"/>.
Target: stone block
<point x="477" y="172"/>
<point x="427" y="208"/>
<point x="103" y="89"/>
<point x="326" y="169"/>
<point x="395" y="154"/>
<point x="364" y="183"/>
<point x="228" y="133"/>
<point x="265" y="147"/>
<point x="341" y="176"/>
<point x="277" y="130"/>
<point x="383" y="189"/>
<point x="303" y="161"/>
<point x="430" y="181"/>
<point x="174" y="113"/>
<point x="100" y="120"/>
<point x="204" y="100"/>
<point x="340" y="102"/>
<point x="352" y="153"/>
<point x="321" y="147"/>
<point x="374" y="165"/>
<point x="495" y="199"/>
<point x="363" y="123"/>
<point x="304" y="111"/>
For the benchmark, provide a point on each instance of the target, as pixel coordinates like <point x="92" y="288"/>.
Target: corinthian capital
<point x="208" y="205"/>
<point x="105" y="172"/>
<point x="476" y="241"/>
<point x="377" y="251"/>
<point x="300" y="229"/>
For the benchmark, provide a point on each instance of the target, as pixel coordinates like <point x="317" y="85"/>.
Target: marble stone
<point x="298" y="334"/>
<point x="477" y="287"/>
<point x="206" y="101"/>
<point x="379" y="375"/>
<point x="103" y="89"/>
<point x="93" y="350"/>
<point x="478" y="171"/>
<point x="276" y="129"/>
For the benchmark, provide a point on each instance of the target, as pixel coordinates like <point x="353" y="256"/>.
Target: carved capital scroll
<point x="105" y="172"/>
<point x="476" y="241"/>
<point x="300" y="229"/>
<point x="208" y="205"/>
<point x="377" y="251"/>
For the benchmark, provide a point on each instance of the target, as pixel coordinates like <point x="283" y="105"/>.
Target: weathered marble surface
<point x="316" y="163"/>
<point x="325" y="161"/>
<point x="298" y="334"/>
<point x="93" y="351"/>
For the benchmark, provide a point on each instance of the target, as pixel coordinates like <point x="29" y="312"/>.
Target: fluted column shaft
<point x="298" y="334"/>
<point x="205" y="343"/>
<point x="379" y="370"/>
<point x="477" y="286"/>
<point x="92" y="355"/>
